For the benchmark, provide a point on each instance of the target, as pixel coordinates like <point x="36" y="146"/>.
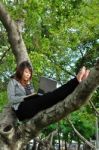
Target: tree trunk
<point x="66" y="145"/>
<point x="14" y="36"/>
<point x="59" y="142"/>
<point x="34" y="145"/>
<point x="78" y="144"/>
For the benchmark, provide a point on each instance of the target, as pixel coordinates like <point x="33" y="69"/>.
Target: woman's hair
<point x="20" y="70"/>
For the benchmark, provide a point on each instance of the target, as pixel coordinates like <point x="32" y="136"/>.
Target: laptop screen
<point x="46" y="85"/>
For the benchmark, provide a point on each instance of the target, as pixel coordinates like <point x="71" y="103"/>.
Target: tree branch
<point x="4" y="54"/>
<point x="94" y="108"/>
<point x="14" y="36"/>
<point x="79" y="135"/>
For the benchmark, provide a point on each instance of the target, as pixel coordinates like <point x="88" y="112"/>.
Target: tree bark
<point x="14" y="36"/>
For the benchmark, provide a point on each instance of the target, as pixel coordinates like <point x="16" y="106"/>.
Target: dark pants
<point x="28" y="108"/>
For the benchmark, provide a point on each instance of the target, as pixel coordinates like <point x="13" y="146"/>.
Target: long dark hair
<point x="20" y="70"/>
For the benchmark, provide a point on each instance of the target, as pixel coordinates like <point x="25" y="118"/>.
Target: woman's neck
<point x="24" y="82"/>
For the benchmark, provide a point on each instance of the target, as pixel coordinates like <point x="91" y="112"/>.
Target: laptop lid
<point x="46" y="85"/>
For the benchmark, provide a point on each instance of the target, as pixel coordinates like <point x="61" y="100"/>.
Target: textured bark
<point x="14" y="36"/>
<point x="15" y="135"/>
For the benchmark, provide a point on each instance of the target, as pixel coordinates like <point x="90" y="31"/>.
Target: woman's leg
<point x="32" y="106"/>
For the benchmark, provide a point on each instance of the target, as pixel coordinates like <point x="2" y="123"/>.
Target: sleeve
<point x="13" y="99"/>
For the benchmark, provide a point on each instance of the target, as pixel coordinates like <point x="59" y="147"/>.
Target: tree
<point x="16" y="135"/>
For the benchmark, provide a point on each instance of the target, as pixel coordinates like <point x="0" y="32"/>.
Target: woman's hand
<point x="30" y="95"/>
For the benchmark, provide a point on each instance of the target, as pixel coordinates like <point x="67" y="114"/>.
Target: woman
<point x="20" y="87"/>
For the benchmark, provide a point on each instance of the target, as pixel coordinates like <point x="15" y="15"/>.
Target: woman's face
<point x="26" y="74"/>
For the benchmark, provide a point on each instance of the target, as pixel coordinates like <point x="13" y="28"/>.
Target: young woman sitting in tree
<point x="20" y="87"/>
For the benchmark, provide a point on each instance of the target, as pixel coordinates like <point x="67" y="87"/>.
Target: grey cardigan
<point x="16" y="93"/>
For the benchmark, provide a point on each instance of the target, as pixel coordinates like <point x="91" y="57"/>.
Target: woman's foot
<point x="82" y="74"/>
<point x="86" y="74"/>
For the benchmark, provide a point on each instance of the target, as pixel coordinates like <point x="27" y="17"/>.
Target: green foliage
<point x="61" y="36"/>
<point x="84" y="122"/>
<point x="3" y="100"/>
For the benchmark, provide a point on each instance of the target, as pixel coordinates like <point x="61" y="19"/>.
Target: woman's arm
<point x="13" y="98"/>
